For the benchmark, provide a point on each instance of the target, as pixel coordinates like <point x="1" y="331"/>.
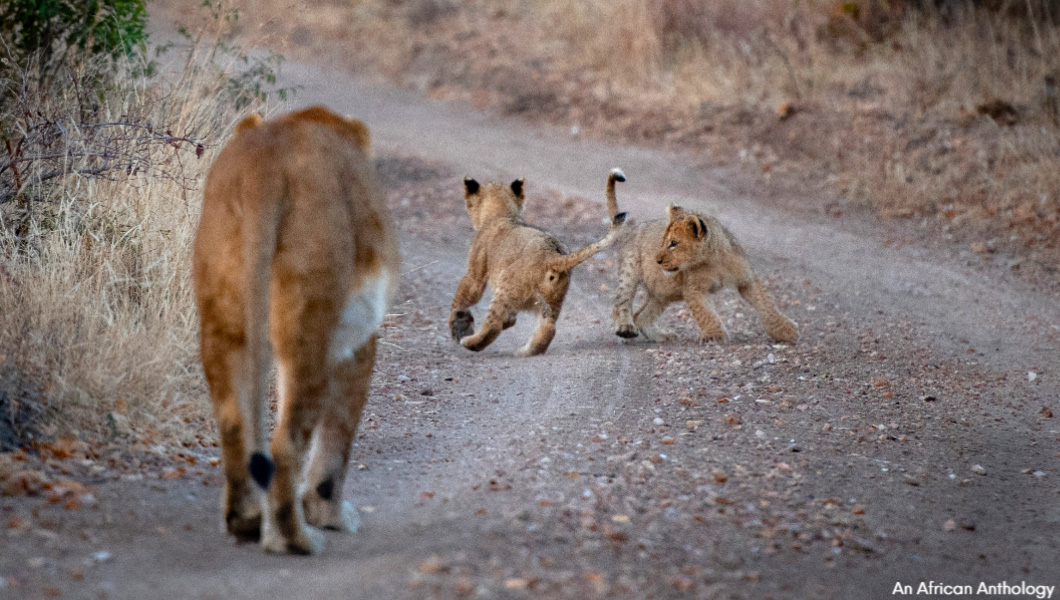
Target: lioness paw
<point x="327" y="514"/>
<point x="307" y="541"/>
<point x="627" y="331"/>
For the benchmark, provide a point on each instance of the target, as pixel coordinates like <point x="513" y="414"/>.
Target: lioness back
<point x="296" y="259"/>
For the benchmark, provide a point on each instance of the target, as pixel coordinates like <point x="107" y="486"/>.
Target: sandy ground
<point x="907" y="437"/>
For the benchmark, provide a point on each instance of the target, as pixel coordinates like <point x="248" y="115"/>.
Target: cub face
<point x="684" y="234"/>
<point x="487" y="202"/>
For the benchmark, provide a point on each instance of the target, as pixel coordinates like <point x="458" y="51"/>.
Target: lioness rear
<point x="295" y="256"/>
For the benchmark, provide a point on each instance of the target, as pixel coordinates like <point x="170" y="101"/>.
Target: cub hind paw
<point x="461" y="325"/>
<point x="658" y="335"/>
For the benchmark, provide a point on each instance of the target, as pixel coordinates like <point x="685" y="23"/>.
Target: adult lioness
<point x="687" y="258"/>
<point x="295" y="256"/>
<point x="528" y="269"/>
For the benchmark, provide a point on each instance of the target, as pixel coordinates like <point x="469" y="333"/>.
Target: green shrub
<point x="50" y="31"/>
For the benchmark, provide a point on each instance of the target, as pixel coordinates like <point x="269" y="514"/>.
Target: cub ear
<point x="673" y="211"/>
<point x="517" y="187"/>
<point x="697" y="227"/>
<point x="470" y="186"/>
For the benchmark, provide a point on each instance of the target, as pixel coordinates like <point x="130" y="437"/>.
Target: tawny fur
<point x="687" y="258"/>
<point x="527" y="268"/>
<point x="294" y="260"/>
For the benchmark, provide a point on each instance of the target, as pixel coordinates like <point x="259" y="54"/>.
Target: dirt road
<point x="906" y="438"/>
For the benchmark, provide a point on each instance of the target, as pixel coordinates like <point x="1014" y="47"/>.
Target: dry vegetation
<point x="100" y="188"/>
<point x="942" y="113"/>
<point x="948" y="118"/>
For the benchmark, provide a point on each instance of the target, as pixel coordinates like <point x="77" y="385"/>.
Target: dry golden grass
<point x="892" y="108"/>
<point x="97" y="323"/>
<point x="887" y="105"/>
<point x="945" y="114"/>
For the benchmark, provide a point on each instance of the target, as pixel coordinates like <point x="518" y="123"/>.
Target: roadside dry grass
<point x="947" y="117"/>
<point x="101" y="187"/>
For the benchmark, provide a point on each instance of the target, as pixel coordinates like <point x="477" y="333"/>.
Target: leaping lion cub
<point x="687" y="258"/>
<point x="295" y="260"/>
<point x="527" y="268"/>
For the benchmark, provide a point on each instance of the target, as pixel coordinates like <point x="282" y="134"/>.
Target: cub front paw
<point x="626" y="331"/>
<point x="786" y="332"/>
<point x="461" y="325"/>
<point x="719" y="337"/>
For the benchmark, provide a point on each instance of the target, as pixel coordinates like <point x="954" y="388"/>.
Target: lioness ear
<point x="360" y="134"/>
<point x="249" y="122"/>
<point x="673" y="211"/>
<point x="517" y="187"/>
<point x="470" y="186"/>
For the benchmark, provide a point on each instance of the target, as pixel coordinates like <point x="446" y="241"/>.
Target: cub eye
<point x="673" y="244"/>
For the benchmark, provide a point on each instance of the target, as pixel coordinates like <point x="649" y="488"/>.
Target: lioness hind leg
<point x="332" y="438"/>
<point x="302" y="384"/>
<point x="645" y="319"/>
<point x="777" y="326"/>
<point x="241" y="501"/>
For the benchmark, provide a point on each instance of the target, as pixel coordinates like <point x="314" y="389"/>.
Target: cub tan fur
<point x="295" y="260"/>
<point x="687" y="258"/>
<point x="527" y="268"/>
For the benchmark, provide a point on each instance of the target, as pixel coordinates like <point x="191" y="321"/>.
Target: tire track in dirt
<point x="511" y="450"/>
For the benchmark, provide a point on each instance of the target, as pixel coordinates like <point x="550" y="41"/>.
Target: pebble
<point x="978" y="470"/>
<point x="102" y="556"/>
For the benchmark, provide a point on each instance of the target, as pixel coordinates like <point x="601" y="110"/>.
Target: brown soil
<point x="907" y="437"/>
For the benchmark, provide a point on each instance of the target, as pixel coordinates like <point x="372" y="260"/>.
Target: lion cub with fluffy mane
<point x="295" y="256"/>
<point x="527" y="268"/>
<point x="687" y="258"/>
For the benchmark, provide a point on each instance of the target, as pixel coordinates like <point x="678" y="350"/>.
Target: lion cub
<point x="687" y="258"/>
<point x="527" y="268"/>
<point x="295" y="260"/>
